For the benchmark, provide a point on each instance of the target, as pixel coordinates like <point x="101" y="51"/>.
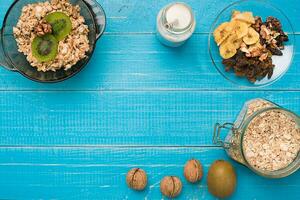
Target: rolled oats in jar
<point x="265" y="138"/>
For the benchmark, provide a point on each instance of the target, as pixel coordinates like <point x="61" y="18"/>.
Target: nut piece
<point x="136" y="179"/>
<point x="170" y="186"/>
<point x="193" y="171"/>
<point x="43" y="28"/>
<point x="265" y="33"/>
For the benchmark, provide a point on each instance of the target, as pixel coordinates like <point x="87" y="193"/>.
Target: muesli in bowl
<point x="52" y="35"/>
<point x="50" y="40"/>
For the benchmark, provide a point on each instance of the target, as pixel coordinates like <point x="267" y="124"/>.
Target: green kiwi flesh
<point x="44" y="48"/>
<point x="61" y="24"/>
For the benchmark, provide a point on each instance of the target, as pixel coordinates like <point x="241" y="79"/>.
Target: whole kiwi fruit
<point x="221" y="179"/>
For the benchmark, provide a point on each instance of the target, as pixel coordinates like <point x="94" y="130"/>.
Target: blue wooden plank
<point x="140" y="62"/>
<point x="99" y="173"/>
<point x="140" y="16"/>
<point x="123" y="118"/>
<point x="137" y="16"/>
<point x="129" y="59"/>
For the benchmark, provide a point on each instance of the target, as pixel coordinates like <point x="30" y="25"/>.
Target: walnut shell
<point x="193" y="171"/>
<point x="170" y="186"/>
<point x="136" y="179"/>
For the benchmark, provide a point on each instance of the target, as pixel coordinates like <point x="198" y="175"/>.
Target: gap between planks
<point x="165" y="147"/>
<point x="154" y="33"/>
<point x="153" y="90"/>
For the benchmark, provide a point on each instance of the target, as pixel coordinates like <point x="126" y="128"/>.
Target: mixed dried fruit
<point x="247" y="44"/>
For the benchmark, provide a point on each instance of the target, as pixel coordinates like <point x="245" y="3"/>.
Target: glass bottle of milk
<point x="175" y="24"/>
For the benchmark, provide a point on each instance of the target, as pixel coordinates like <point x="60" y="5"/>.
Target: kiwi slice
<point x="61" y="24"/>
<point x="44" y="48"/>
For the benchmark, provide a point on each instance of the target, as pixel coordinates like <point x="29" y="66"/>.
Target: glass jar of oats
<point x="265" y="138"/>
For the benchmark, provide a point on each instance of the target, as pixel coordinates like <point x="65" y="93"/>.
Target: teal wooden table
<point x="137" y="104"/>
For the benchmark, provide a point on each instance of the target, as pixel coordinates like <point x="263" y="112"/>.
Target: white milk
<point x="175" y="24"/>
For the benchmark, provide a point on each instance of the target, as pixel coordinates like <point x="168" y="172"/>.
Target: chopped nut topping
<point x="263" y="57"/>
<point x="265" y="33"/>
<point x="43" y="28"/>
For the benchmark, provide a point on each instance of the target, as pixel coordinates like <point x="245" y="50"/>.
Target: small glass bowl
<point x="263" y="9"/>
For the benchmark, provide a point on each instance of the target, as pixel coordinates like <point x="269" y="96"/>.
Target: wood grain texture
<point x="136" y="99"/>
<point x="99" y="173"/>
<point x="179" y="118"/>
<point x="136" y="16"/>
<point x="140" y="62"/>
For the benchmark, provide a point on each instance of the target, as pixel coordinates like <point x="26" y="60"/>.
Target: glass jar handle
<point x="217" y="132"/>
<point x="99" y="15"/>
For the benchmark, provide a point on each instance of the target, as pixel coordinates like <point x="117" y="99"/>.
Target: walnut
<point x="274" y="23"/>
<point x="256" y="50"/>
<point x="269" y="36"/>
<point x="170" y="186"/>
<point x="265" y="33"/>
<point x="193" y="171"/>
<point x="136" y="179"/>
<point x="263" y="56"/>
<point x="43" y="28"/>
<point x="244" y="48"/>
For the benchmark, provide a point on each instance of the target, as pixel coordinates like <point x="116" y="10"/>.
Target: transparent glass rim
<point x="177" y="31"/>
<point x="245" y="114"/>
<point x="288" y="170"/>
<point x="292" y="34"/>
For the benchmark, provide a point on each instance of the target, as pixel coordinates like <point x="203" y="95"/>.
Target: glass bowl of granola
<point x="50" y="40"/>
<point x="252" y="43"/>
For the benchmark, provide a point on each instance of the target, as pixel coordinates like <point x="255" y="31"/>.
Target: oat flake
<point x="271" y="141"/>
